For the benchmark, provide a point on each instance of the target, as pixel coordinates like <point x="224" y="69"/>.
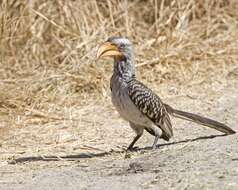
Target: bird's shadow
<point x="75" y="157"/>
<point x="184" y="141"/>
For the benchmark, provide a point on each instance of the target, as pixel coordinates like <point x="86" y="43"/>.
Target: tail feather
<point x="200" y="120"/>
<point x="167" y="130"/>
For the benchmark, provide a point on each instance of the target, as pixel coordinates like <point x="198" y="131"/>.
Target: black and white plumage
<point x="151" y="106"/>
<point x="138" y="104"/>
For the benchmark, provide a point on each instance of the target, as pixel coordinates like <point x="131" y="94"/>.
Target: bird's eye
<point x="122" y="45"/>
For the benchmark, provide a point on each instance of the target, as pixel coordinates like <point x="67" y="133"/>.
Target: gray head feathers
<point x="124" y="45"/>
<point x="120" y="41"/>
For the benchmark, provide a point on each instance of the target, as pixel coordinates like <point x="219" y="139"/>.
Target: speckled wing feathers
<point x="151" y="106"/>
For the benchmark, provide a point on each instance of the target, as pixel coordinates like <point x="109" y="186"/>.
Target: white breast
<point x="124" y="105"/>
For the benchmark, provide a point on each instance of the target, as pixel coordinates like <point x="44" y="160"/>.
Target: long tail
<point x="199" y="119"/>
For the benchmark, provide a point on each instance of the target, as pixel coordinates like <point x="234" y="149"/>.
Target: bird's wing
<point x="151" y="106"/>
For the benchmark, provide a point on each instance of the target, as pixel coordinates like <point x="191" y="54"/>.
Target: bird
<point x="137" y="103"/>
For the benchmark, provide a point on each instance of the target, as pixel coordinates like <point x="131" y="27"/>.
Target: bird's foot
<point x="133" y="148"/>
<point x="154" y="147"/>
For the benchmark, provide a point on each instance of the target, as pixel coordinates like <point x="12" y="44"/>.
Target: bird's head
<point x="117" y="47"/>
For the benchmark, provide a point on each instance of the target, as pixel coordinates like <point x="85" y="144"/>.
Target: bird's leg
<point x="155" y="142"/>
<point x="155" y="131"/>
<point x="139" y="131"/>
<point x="130" y="147"/>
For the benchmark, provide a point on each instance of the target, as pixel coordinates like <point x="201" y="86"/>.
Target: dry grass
<point x="47" y="51"/>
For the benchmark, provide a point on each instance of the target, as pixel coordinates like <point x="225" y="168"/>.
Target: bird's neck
<point x="124" y="68"/>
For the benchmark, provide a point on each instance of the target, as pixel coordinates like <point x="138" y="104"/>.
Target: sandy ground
<point x="196" y="157"/>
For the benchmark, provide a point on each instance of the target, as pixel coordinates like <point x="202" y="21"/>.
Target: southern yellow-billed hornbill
<point x="138" y="104"/>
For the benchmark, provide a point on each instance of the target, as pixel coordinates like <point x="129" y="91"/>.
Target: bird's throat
<point x="124" y="69"/>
